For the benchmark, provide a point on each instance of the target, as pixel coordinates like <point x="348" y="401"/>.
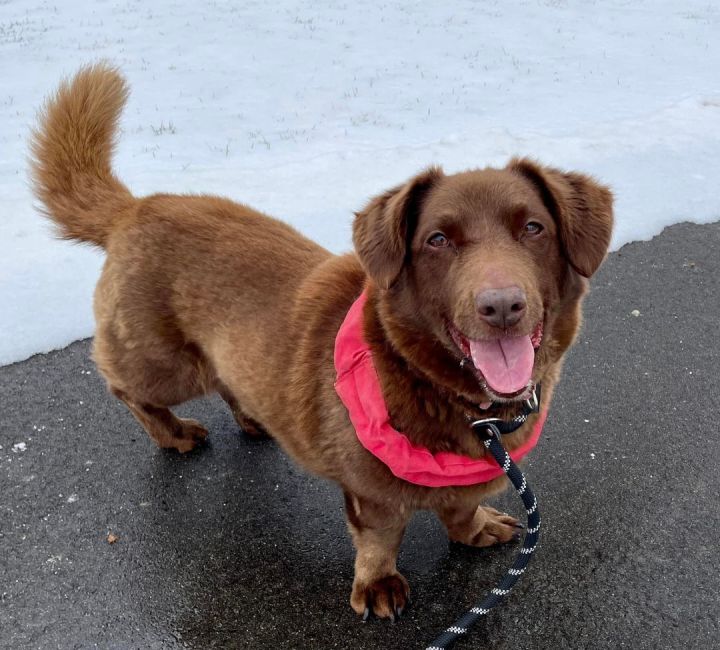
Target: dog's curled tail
<point x="71" y="155"/>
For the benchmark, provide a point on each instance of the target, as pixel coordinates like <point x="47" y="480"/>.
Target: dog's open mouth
<point x="503" y="365"/>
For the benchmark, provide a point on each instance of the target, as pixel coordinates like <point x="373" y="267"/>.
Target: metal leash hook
<point x="489" y="433"/>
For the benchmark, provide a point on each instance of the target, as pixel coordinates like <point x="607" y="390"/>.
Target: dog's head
<point x="486" y="268"/>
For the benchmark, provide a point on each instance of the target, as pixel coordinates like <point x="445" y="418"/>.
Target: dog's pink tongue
<point x="506" y="364"/>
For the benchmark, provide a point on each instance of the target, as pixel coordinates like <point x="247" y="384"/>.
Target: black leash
<point x="489" y="430"/>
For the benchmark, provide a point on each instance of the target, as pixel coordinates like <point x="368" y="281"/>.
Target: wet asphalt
<point x="233" y="546"/>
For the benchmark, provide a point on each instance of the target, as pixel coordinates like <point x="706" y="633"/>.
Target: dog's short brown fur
<point x="200" y="294"/>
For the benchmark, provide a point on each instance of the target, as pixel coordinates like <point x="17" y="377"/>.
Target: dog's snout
<point x="501" y="308"/>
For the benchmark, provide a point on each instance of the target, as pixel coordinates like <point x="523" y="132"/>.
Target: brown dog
<point x="200" y="294"/>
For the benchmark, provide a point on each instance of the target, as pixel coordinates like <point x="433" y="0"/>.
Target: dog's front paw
<point x="386" y="597"/>
<point x="487" y="528"/>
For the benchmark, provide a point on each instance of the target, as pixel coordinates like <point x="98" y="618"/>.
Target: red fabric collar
<point x="358" y="386"/>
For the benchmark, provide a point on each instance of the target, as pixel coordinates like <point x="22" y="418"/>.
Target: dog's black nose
<point x="501" y="308"/>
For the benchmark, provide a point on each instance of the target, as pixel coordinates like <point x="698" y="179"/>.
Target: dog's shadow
<point x="249" y="551"/>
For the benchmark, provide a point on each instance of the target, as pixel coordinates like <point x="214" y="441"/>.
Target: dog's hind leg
<point x="164" y="427"/>
<point x="150" y="375"/>
<point x="246" y="423"/>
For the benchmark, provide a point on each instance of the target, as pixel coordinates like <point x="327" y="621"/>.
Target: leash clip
<point x="489" y="428"/>
<point x="486" y="429"/>
<point x="532" y="403"/>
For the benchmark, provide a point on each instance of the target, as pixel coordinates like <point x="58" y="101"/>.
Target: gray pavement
<point x="234" y="547"/>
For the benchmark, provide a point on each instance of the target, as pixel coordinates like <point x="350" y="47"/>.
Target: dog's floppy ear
<point x="382" y="231"/>
<point x="582" y="208"/>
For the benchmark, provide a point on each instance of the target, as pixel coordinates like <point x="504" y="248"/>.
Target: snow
<point x="305" y="110"/>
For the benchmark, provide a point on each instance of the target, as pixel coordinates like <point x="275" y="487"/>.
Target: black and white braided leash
<point x="490" y="430"/>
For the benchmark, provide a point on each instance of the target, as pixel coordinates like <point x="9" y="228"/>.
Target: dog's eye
<point x="438" y="240"/>
<point x="533" y="228"/>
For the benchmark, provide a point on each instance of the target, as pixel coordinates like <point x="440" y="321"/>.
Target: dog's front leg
<point x="377" y="531"/>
